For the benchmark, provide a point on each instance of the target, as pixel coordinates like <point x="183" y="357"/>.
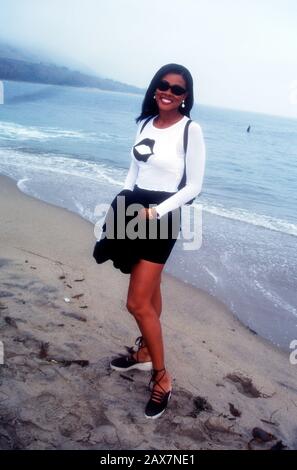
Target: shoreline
<point x="184" y="282"/>
<point x="46" y="257"/>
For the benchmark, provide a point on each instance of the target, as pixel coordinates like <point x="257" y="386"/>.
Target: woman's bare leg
<point x="157" y="298"/>
<point x="157" y="304"/>
<point x="145" y="278"/>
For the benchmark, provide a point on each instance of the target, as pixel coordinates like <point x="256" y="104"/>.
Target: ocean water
<point x="71" y="147"/>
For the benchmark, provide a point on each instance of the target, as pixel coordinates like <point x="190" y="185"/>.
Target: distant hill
<point x="19" y="66"/>
<point x="11" y="52"/>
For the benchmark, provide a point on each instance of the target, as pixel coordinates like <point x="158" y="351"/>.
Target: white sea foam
<point x="260" y="220"/>
<point x="13" y="131"/>
<point x="21" y="184"/>
<point x="215" y="278"/>
<point x="275" y="299"/>
<point x="59" y="164"/>
<point x="102" y="172"/>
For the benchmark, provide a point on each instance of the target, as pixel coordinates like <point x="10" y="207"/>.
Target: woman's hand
<point x="147" y="213"/>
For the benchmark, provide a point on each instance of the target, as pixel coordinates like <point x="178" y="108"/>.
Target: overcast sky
<point x="242" y="53"/>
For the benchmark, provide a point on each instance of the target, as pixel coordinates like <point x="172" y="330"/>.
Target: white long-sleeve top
<point x="158" y="162"/>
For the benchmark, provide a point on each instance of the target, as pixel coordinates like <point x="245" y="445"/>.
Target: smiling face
<point x="166" y="100"/>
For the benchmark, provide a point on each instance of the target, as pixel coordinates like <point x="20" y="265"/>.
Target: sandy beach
<point x="62" y="317"/>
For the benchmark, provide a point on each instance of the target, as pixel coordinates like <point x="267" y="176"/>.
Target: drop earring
<point x="183" y="104"/>
<point x="154" y="97"/>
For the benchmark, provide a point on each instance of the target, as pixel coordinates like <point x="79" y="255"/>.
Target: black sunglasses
<point x="176" y="89"/>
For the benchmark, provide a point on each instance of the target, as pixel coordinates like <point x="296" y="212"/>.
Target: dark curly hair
<point x="149" y="105"/>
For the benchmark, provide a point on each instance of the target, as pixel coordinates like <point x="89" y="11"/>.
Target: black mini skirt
<point x="125" y="239"/>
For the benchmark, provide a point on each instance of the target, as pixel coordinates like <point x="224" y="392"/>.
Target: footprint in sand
<point x="245" y="386"/>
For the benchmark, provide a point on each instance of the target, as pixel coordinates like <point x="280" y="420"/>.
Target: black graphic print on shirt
<point x="144" y="149"/>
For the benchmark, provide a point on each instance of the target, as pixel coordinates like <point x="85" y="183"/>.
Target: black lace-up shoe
<point x="158" y="402"/>
<point x="128" y="362"/>
<point x="123" y="363"/>
<point x="139" y="344"/>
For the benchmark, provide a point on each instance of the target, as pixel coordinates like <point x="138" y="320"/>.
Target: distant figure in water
<point x="248" y="129"/>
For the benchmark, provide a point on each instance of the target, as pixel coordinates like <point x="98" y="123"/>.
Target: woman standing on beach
<point x="166" y="171"/>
